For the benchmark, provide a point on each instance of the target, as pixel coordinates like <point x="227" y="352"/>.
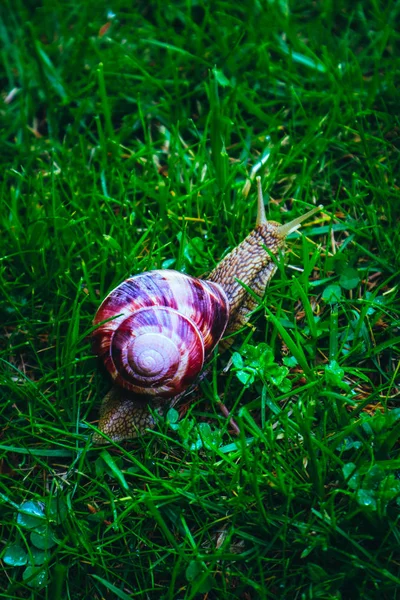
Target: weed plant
<point x="130" y="134"/>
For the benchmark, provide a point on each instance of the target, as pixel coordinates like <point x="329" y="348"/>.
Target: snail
<point x="156" y="330"/>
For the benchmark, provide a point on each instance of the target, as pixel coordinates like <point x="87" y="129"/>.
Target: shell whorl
<point x="160" y="328"/>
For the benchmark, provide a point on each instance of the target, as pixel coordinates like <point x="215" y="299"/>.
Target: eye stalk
<point x="283" y="230"/>
<point x="261" y="218"/>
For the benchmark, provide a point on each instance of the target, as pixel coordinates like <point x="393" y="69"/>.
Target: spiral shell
<point x="160" y="328"/>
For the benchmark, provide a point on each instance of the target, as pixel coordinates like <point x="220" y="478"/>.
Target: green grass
<point x="129" y="151"/>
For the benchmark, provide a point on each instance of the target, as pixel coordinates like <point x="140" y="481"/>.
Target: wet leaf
<point x="349" y="278"/>
<point x="374" y="477"/>
<point x="367" y="499"/>
<point x="285" y="386"/>
<point x="245" y="377"/>
<point x="38" y="556"/>
<point x="193" y="570"/>
<point x="39" y="578"/>
<point x="31" y="514"/>
<point x="206" y="585"/>
<point x="172" y="416"/>
<point x="332" y="294"/>
<point x="43" y="539"/>
<point x="15" y="555"/>
<point x="211" y="439"/>
<point x="351" y="474"/>
<point x="237" y="360"/>
<point x="278" y="374"/>
<point x="334" y="373"/>
<point x="290" y="361"/>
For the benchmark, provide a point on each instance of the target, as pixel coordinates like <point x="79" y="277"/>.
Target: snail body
<point x="157" y="329"/>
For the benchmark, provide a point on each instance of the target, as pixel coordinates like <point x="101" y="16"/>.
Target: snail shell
<point x="157" y="329"/>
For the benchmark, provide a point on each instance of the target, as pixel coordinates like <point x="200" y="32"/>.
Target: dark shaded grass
<point x="123" y="150"/>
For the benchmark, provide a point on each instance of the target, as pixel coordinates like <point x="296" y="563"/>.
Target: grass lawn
<point x="130" y="135"/>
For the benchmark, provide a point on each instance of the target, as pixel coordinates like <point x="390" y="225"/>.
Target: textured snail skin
<point x="123" y="417"/>
<point x="248" y="265"/>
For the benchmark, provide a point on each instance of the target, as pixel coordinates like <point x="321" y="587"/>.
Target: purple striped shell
<point x="161" y="327"/>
